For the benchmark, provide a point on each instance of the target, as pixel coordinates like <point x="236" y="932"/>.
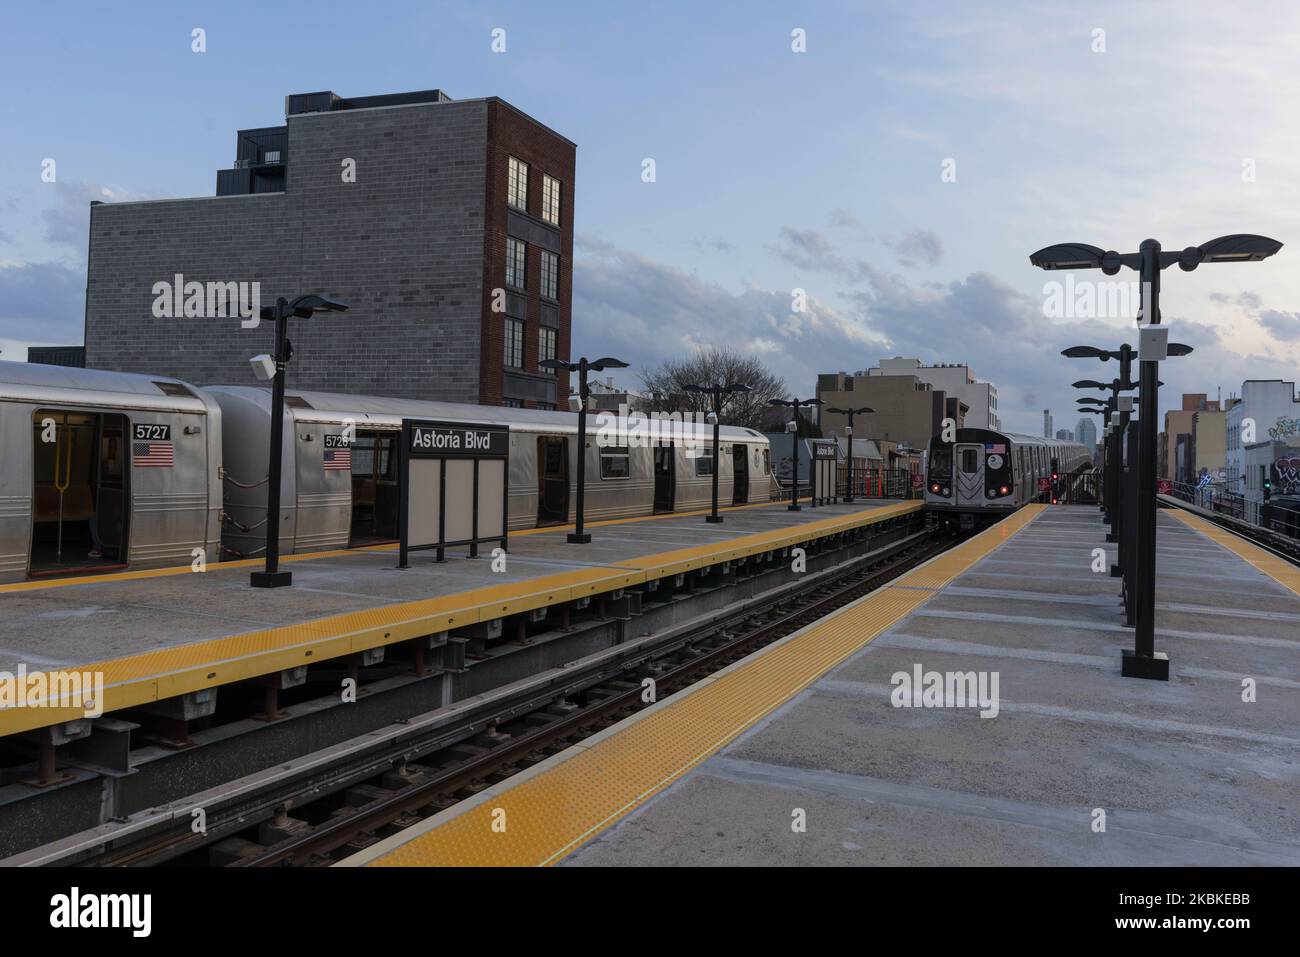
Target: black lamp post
<point x="850" y="413"/>
<point x="582" y="366"/>
<point x="1144" y="661"/>
<point x="301" y="308"/>
<point x="719" y="394"/>
<point x="793" y="405"/>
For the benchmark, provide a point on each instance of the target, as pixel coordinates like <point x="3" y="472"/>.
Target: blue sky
<point x="776" y="170"/>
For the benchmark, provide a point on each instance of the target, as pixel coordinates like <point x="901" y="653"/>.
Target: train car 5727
<point x="983" y="475"/>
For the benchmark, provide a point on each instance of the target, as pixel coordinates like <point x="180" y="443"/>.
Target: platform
<point x="804" y="731"/>
<point x="157" y="634"/>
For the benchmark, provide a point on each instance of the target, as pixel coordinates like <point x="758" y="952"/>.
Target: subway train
<point x="107" y="470"/>
<point x="983" y="475"/>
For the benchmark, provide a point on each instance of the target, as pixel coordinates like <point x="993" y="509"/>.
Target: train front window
<point x="941" y="461"/>
<point x="970" y="461"/>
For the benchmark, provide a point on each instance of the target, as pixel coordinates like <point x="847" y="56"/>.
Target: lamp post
<point x="793" y="426"/>
<point x="719" y="394"/>
<point x="273" y="367"/>
<point x="582" y="367"/>
<point x="1150" y="259"/>
<point x="849" y="432"/>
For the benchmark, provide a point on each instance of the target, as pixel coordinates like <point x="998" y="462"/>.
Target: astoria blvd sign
<point x="451" y="440"/>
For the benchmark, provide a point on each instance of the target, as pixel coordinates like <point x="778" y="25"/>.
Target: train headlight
<point x="945" y="490"/>
<point x="1005" y="490"/>
<point x="934" y="487"/>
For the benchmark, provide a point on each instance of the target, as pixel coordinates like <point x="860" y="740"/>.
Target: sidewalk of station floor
<point x="1185" y="772"/>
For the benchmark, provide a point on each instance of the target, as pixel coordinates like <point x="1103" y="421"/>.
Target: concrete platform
<point x="160" y="634"/>
<point x="1185" y="771"/>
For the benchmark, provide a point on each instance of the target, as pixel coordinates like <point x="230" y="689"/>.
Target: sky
<point x="892" y="177"/>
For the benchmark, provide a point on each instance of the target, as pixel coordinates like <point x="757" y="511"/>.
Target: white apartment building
<point x="1275" y="411"/>
<point x="954" y="379"/>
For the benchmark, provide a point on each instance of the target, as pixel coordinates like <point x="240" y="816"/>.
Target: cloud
<point x="41" y="303"/>
<point x="1283" y="325"/>
<point x="67" y="219"/>
<point x="644" y="311"/>
<point x="714" y="244"/>
<point x="810" y="249"/>
<point x="1247" y="300"/>
<point x="919" y="245"/>
<point x="843" y="218"/>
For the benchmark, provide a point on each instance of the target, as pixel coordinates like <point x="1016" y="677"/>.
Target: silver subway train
<point x="110" y="470"/>
<point x="983" y="475"/>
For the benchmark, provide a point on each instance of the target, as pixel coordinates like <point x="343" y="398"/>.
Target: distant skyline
<point x="775" y="171"/>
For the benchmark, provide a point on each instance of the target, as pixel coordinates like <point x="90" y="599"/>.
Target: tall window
<point x="551" y="199"/>
<point x="517" y="189"/>
<point x="514" y="352"/>
<point x="550" y="275"/>
<point x="546" y="343"/>
<point x="515" y="249"/>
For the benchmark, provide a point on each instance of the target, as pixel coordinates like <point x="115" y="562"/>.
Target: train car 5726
<point x="983" y="475"/>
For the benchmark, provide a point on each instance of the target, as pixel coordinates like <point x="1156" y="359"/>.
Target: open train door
<point x="739" y="474"/>
<point x="969" y="459"/>
<point x="665" y="477"/>
<point x="80" y="504"/>
<point x="552" y="480"/>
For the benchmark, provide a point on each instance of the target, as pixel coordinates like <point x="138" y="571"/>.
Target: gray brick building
<point x="444" y="192"/>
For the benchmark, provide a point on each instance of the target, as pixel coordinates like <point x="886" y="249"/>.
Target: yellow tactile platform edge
<point x="1281" y="571"/>
<point x="151" y="676"/>
<point x="552" y="813"/>
<point x="41" y="584"/>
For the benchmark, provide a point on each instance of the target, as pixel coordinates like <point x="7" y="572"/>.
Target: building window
<point x="546" y="343"/>
<point x="550" y="275"/>
<point x="546" y="406"/>
<point x="515" y="251"/>
<point x="517" y="190"/>
<point x="513" y="403"/>
<point x="615" y="462"/>
<point x="551" y="200"/>
<point x="514" y="352"/>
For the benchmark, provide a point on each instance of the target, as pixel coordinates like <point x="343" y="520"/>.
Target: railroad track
<point x="329" y="823"/>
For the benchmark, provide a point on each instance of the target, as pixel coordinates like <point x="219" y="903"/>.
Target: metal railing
<point x="878" y="483"/>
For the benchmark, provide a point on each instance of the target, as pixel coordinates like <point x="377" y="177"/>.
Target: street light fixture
<point x="582" y="367"/>
<point x="1150" y="259"/>
<point x="849" y="432"/>
<point x="301" y="308"/>
<point x="793" y="405"/>
<point x="719" y="394"/>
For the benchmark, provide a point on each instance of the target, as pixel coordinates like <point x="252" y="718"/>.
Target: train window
<point x="941" y="460"/>
<point x="970" y="462"/>
<point x="704" y="462"/>
<point x="767" y="461"/>
<point x="615" y="462"/>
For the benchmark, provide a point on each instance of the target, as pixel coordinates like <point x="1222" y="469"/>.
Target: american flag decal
<point x="152" y="455"/>
<point x="338" y="459"/>
<point x="998" y="448"/>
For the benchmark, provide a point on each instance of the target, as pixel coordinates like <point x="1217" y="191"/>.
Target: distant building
<point x="1065" y="435"/>
<point x="908" y="411"/>
<point x="1271" y="409"/>
<point x="1085" y="433"/>
<point x="1047" y="423"/>
<point x="74" y="356"/>
<point x="446" y="226"/>
<point x="1204" y="451"/>
<point x="953" y="379"/>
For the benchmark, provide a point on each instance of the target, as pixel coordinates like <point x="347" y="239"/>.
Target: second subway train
<point x="982" y="475"/>
<point x="109" y="470"/>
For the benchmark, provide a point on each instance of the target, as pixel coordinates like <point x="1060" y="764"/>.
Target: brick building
<point x="446" y="225"/>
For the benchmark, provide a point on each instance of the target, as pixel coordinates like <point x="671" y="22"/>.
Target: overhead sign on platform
<point x="445" y="440"/>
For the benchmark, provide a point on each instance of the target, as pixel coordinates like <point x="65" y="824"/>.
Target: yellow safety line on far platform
<point x="552" y="812"/>
<point x="1280" y="570"/>
<point x="39" y="584"/>
<point x="180" y="669"/>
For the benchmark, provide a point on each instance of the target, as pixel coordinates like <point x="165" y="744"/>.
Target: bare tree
<point x="716" y="365"/>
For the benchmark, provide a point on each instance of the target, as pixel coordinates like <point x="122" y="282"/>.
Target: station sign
<point x="454" y="486"/>
<point x="824" y="472"/>
<point x="1044" y="485"/>
<point x="825" y="450"/>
